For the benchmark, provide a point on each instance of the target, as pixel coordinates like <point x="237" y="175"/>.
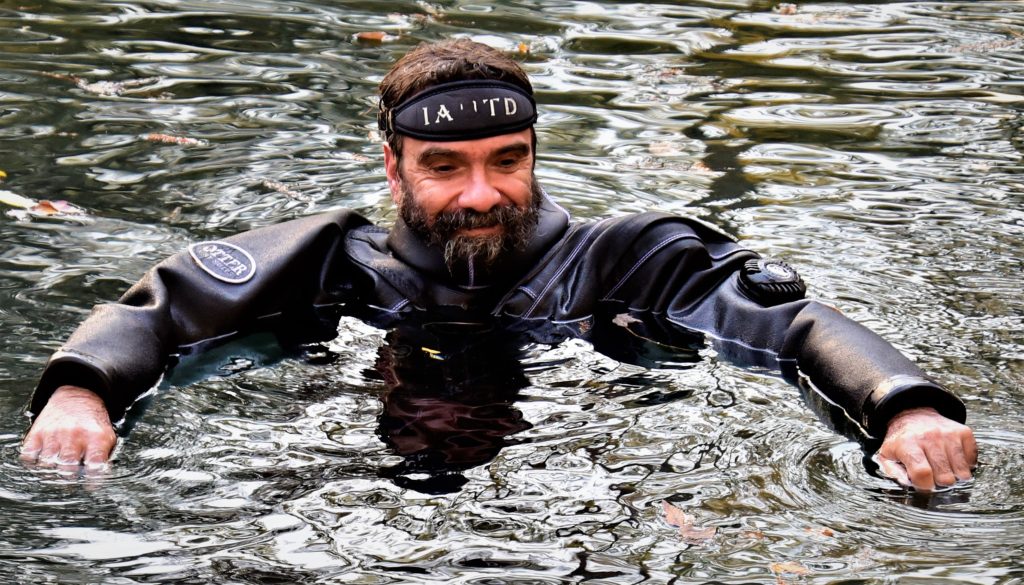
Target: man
<point x="478" y="238"/>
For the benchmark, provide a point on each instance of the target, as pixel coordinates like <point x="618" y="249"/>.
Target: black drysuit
<point x="676" y="271"/>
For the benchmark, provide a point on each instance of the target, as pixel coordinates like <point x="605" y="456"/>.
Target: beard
<point x="443" y="230"/>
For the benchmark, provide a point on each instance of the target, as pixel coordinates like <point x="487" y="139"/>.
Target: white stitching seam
<point x="564" y="266"/>
<point x="645" y="258"/>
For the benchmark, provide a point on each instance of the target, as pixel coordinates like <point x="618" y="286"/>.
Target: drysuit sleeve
<point x="211" y="290"/>
<point x="690" y="275"/>
<point x="851" y="365"/>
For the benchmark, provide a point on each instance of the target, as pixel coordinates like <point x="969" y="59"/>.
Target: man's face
<point x="474" y="198"/>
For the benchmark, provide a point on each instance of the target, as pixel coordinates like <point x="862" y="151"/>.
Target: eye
<point x="509" y="162"/>
<point x="442" y="169"/>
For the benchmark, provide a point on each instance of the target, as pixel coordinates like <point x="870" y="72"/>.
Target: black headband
<point x="461" y="110"/>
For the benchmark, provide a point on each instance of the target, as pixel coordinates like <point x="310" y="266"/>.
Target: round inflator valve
<point x="771" y="282"/>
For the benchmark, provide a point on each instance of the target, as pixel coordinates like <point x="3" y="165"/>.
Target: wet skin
<point x="477" y="175"/>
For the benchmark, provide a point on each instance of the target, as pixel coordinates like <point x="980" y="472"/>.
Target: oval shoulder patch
<point x="223" y="261"/>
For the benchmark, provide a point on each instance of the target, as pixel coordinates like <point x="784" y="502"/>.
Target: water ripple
<point x="878" y="147"/>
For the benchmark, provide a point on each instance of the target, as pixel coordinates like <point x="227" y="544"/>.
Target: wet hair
<point x="431" y="64"/>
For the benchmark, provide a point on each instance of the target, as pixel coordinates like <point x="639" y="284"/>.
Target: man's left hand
<point x="924" y="449"/>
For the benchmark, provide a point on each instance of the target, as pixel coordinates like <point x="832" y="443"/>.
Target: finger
<point x="893" y="470"/>
<point x="50" y="450"/>
<point x="970" y="446"/>
<point x="918" y="468"/>
<point x="958" y="461"/>
<point x="97" y="454"/>
<point x="942" y="471"/>
<point x="71" y="453"/>
<point x="30" y="447"/>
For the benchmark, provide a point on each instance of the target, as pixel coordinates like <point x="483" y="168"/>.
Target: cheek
<point x="518" y="188"/>
<point x="430" y="198"/>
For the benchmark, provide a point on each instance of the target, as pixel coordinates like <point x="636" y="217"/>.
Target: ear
<point x="391" y="169"/>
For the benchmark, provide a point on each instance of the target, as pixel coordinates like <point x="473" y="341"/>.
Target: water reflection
<point x="449" y="400"/>
<point x="451" y="386"/>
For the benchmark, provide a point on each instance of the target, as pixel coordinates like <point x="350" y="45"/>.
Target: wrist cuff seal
<point x="903" y="392"/>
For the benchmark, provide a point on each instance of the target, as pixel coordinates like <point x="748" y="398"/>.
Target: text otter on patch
<point x="223" y="261"/>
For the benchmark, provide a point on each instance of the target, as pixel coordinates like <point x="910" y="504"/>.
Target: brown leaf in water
<point x="169" y="139"/>
<point x="58" y="207"/>
<point x="354" y="156"/>
<point x="374" y="36"/>
<point x="690" y="533"/>
<point x="785" y="9"/>
<point x="701" y="167"/>
<point x="435" y="12"/>
<point x="523" y="48"/>
<point x="113" y="88"/>
<point x="789" y="568"/>
<point x="44" y="207"/>
<point x="283" y="189"/>
<point x="61" y="76"/>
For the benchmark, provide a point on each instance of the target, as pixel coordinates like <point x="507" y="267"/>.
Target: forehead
<point x="414" y="148"/>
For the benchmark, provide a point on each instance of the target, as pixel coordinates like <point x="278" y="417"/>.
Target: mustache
<point x="449" y="223"/>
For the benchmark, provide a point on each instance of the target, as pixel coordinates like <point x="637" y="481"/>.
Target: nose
<point x="479" y="193"/>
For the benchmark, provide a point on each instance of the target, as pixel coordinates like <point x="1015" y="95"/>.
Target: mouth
<point x="481" y="231"/>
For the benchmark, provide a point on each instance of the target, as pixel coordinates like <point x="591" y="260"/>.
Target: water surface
<point x="877" y="146"/>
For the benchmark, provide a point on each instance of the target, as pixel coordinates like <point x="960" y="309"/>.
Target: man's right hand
<point x="73" y="428"/>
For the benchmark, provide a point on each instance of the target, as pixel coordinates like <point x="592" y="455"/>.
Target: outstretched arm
<point x="72" y="428"/>
<point x="695" y="279"/>
<point x="122" y="349"/>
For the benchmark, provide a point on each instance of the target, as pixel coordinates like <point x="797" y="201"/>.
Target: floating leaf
<point x="700" y="167"/>
<point x="45" y="208"/>
<point x="169" y="139"/>
<point x="3" y="175"/>
<point x="374" y="36"/>
<point x="523" y="48"/>
<point x="59" y="207"/>
<point x="113" y="88"/>
<point x="785" y="9"/>
<point x="789" y="568"/>
<point x="685" y="523"/>
<point x="354" y="156"/>
<point x="63" y="76"/>
<point x="283" y="189"/>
